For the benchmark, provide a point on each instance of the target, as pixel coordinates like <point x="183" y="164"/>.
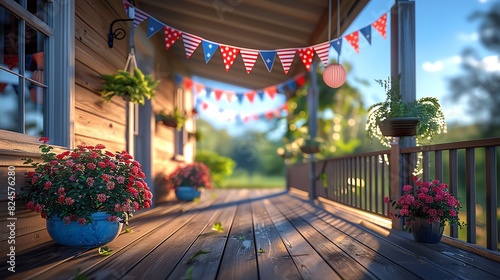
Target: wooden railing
<point x="362" y="181"/>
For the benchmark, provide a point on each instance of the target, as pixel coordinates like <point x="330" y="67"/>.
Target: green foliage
<point x="220" y="167"/>
<point x="218" y="227"/>
<point x="196" y="255"/>
<point x="105" y="251"/>
<point x="176" y="118"/>
<point x="137" y="87"/>
<point x="427" y="109"/>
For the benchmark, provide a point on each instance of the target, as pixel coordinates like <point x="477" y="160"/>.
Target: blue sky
<point x="442" y="32"/>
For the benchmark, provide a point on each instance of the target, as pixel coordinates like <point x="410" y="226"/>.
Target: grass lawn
<point x="257" y="181"/>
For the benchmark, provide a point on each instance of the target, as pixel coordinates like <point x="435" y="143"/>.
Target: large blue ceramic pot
<point x="425" y="232"/>
<point x="99" y="232"/>
<point x="187" y="193"/>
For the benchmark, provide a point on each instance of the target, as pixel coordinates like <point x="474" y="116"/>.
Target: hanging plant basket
<point x="398" y="127"/>
<point x="310" y="149"/>
<point x="170" y="123"/>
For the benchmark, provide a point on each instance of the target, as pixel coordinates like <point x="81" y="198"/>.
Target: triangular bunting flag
<point x="306" y="55"/>
<point x="249" y="58"/>
<point x="286" y="57"/>
<point x="291" y="85"/>
<point x="250" y="96"/>
<point x="271" y="91"/>
<point x="208" y="92"/>
<point x="188" y="83"/>
<point x="229" y="96"/>
<point x="191" y="43"/>
<point x="171" y="35"/>
<point x="269" y="115"/>
<point x="260" y="94"/>
<point x="218" y="94"/>
<point x="367" y="33"/>
<point x="300" y="80"/>
<point x="337" y="45"/>
<point x="209" y="49"/>
<point x="268" y="58"/>
<point x="240" y="97"/>
<point x="280" y="88"/>
<point x="380" y="25"/>
<point x="153" y="26"/>
<point x="198" y="88"/>
<point x="178" y="79"/>
<point x="139" y="16"/>
<point x="323" y="50"/>
<point x="353" y="39"/>
<point x="228" y="55"/>
<point x="204" y="105"/>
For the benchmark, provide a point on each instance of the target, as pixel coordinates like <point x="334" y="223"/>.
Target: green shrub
<point x="220" y="167"/>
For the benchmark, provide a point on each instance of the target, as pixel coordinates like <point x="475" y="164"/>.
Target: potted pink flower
<point x="187" y="180"/>
<point x="87" y="186"/>
<point x="427" y="207"/>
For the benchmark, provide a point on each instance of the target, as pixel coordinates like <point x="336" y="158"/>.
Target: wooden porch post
<point x="312" y="108"/>
<point x="403" y="67"/>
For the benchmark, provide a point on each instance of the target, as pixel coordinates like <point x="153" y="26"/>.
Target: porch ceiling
<point x="255" y="24"/>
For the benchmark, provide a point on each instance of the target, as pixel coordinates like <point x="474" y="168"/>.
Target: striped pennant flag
<point x="249" y="57"/>
<point x="286" y="57"/>
<point x="191" y="43"/>
<point x="323" y="50"/>
<point x="139" y="16"/>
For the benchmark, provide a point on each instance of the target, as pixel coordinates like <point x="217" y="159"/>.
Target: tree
<point x="479" y="86"/>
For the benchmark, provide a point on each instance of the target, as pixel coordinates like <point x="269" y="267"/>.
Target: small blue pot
<point x="425" y="232"/>
<point x="99" y="232"/>
<point x="187" y="193"/>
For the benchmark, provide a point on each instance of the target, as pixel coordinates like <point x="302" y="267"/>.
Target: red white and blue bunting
<point x="249" y="56"/>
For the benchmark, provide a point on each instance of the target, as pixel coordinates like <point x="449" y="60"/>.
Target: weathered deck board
<point x="268" y="234"/>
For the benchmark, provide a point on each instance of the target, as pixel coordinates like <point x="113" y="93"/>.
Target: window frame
<point x="59" y="105"/>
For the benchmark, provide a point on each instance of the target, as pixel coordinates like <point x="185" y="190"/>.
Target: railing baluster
<point x="425" y="166"/>
<point x="470" y="179"/>
<point x="438" y="168"/>
<point x="453" y="183"/>
<point x="491" y="199"/>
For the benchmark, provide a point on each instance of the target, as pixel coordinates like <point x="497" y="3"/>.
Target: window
<point x="23" y="86"/>
<point x="37" y="44"/>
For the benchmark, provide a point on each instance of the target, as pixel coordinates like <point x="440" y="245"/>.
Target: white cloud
<point x="483" y="1"/>
<point x="491" y="63"/>
<point x="433" y="67"/>
<point x="471" y="37"/>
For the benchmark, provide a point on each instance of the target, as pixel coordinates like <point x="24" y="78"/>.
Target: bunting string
<point x="249" y="56"/>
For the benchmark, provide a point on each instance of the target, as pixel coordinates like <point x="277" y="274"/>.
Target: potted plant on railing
<point x="311" y="146"/>
<point x="427" y="207"/>
<point x="135" y="88"/>
<point x="86" y="194"/>
<point x="175" y="119"/>
<point x="423" y="118"/>
<point x="188" y="180"/>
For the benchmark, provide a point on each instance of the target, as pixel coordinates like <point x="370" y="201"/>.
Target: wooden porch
<point x="268" y="234"/>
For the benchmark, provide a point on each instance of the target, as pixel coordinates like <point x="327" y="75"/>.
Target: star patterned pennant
<point x="306" y="55"/>
<point x="249" y="58"/>
<point x="153" y="26"/>
<point x="367" y="33"/>
<point x="191" y="43"/>
<point x="171" y="35"/>
<point x="337" y="45"/>
<point x="353" y="39"/>
<point x="228" y="55"/>
<point x="286" y="56"/>
<point x="323" y="50"/>
<point x="380" y="25"/>
<point x="209" y="49"/>
<point x="268" y="58"/>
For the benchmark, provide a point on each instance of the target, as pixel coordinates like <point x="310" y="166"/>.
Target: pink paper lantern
<point x="334" y="75"/>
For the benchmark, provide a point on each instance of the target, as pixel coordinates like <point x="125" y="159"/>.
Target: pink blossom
<point x="407" y="188"/>
<point x="101" y="164"/>
<point x="61" y="198"/>
<point x="91" y="166"/>
<point x="90" y="181"/>
<point x="69" y="200"/>
<point x="53" y="162"/>
<point x="38" y="208"/>
<point x="110" y="185"/>
<point x="72" y="178"/>
<point x="101" y="197"/>
<point x="118" y="207"/>
<point x="136" y="206"/>
<point x="112" y="218"/>
<point x="82" y="221"/>
<point x="47" y="185"/>
<point x="67" y="220"/>
<point x="60" y="190"/>
<point x="120" y="179"/>
<point x="30" y="205"/>
<point x="44" y="140"/>
<point x="100" y="147"/>
<point x="432" y="212"/>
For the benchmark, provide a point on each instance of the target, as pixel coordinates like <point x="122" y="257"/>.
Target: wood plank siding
<point x="268" y="234"/>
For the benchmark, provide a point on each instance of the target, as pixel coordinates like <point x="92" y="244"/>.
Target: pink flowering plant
<point x="195" y="174"/>
<point x="73" y="185"/>
<point x="429" y="200"/>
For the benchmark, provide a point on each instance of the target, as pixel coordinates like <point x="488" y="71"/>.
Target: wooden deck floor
<point x="268" y="234"/>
